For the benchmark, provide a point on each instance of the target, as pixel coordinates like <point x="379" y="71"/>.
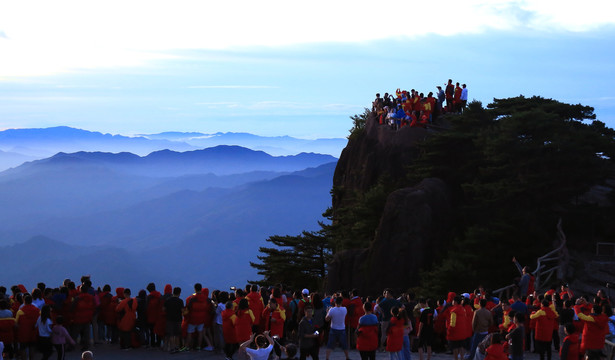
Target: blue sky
<point x="283" y="68"/>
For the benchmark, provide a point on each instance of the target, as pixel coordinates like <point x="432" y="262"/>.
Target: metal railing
<point x="553" y="262"/>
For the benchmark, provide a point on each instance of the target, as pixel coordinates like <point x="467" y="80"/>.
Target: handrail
<point x="547" y="257"/>
<point x="560" y="254"/>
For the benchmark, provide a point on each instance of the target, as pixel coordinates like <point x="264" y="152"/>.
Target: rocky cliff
<point x="414" y="222"/>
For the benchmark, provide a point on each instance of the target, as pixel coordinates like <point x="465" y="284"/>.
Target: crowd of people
<point x="413" y="109"/>
<point x="279" y="322"/>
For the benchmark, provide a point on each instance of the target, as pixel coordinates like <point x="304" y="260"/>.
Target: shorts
<point x="337" y="336"/>
<point x="173" y="328"/>
<point x="426" y="338"/>
<point x="192" y="328"/>
<point x="456" y="344"/>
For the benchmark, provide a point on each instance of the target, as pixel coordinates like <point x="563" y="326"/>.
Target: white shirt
<point x="338" y="315"/>
<point x="221" y="307"/>
<point x="464" y="94"/>
<point x="259" y="354"/>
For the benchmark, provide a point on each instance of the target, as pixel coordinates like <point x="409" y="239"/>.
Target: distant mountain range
<point x="21" y="145"/>
<point x="277" y="145"/>
<point x="167" y="216"/>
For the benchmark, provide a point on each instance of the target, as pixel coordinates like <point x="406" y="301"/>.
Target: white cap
<point x="305" y="292"/>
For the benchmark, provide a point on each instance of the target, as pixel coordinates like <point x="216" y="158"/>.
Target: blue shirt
<point x="367" y="320"/>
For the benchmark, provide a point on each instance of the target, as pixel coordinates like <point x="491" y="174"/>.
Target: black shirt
<point x="173" y="308"/>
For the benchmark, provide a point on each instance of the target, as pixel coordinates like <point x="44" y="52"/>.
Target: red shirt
<point x="395" y="335"/>
<point x="367" y="339"/>
<point x="274" y="321"/>
<point x="243" y="325"/>
<point x="456" y="327"/>
<point x="26" y="323"/>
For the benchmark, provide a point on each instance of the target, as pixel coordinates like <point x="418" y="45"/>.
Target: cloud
<point x="74" y="35"/>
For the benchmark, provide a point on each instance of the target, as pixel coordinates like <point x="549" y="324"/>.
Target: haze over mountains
<point x="169" y="216"/>
<point x="20" y="145"/>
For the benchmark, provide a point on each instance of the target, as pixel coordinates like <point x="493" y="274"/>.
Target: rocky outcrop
<point x="376" y="152"/>
<point x="415" y="220"/>
<point x="414" y="223"/>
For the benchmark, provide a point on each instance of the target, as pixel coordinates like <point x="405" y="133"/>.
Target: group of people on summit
<point x="261" y="321"/>
<point x="413" y="109"/>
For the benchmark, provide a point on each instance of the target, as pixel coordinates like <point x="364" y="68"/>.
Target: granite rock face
<point x="415" y="221"/>
<point x="376" y="152"/>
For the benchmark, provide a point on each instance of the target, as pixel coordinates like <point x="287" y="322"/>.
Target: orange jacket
<point x="154" y="306"/>
<point x="395" y="335"/>
<point x="595" y="328"/>
<point x="129" y="309"/>
<point x="456" y="327"/>
<point x="256" y="304"/>
<point x="274" y="321"/>
<point x="26" y="323"/>
<point x="84" y="308"/>
<point x="7" y="330"/>
<point x="496" y="352"/>
<point x="243" y="321"/>
<point x="228" y="329"/>
<point x="544" y="323"/>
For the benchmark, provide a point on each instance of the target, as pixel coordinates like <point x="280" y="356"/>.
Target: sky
<point x="277" y="68"/>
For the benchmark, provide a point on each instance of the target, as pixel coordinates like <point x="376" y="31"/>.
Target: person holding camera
<point x="308" y="336"/>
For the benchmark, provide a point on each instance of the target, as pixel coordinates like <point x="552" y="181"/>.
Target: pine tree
<point x="297" y="261"/>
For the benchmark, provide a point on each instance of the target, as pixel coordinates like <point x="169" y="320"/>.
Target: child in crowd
<point x="517" y="337"/>
<point x="570" y="349"/>
<point x="60" y="336"/>
<point x="496" y="350"/>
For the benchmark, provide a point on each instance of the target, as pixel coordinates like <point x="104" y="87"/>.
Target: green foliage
<point x="354" y="226"/>
<point x="358" y="123"/>
<point x="297" y="261"/>
<point x="514" y="168"/>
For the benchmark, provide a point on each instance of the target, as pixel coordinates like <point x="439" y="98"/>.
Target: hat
<point x="305" y="292"/>
<point x="466" y="295"/>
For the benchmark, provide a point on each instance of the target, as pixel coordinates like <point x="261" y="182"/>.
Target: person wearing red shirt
<point x="449" y="92"/>
<point x="127" y="310"/>
<point x="545" y="319"/>
<point x="243" y="321"/>
<point x="274" y="318"/>
<point x="154" y="307"/>
<point x="7" y="327"/>
<point x="26" y="318"/>
<point x="457" y="98"/>
<point x="456" y="328"/>
<point x="395" y="335"/>
<point x="106" y="317"/>
<point x="355" y="311"/>
<point x="595" y="327"/>
<point x="495" y="351"/>
<point x="367" y="333"/>
<point x="429" y="106"/>
<point x="228" y="330"/>
<point x="570" y="349"/>
<point x="83" y="310"/>
<point x="239" y="294"/>
<point x="198" y="309"/>
<point x="255" y="301"/>
<point x="115" y="300"/>
<point x="465" y="303"/>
